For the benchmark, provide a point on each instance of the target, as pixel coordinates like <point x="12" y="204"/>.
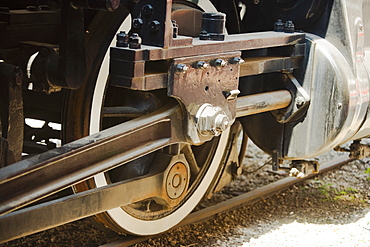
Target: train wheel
<point x="84" y="114"/>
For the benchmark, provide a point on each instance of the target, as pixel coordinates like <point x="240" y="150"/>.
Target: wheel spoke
<point x="190" y="157"/>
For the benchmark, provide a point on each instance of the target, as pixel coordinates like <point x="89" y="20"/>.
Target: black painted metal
<point x="150" y="22"/>
<point x="69" y="71"/>
<point x="11" y="111"/>
<point x="110" y="5"/>
<point x="213" y="26"/>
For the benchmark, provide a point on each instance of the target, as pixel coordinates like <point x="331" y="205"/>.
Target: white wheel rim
<point x="122" y="218"/>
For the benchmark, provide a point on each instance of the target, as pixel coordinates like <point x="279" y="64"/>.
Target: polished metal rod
<point x="262" y="102"/>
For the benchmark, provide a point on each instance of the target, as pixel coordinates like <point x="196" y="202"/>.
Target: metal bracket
<point x="357" y="150"/>
<point x="300" y="101"/>
<point x="301" y="168"/>
<point x="204" y="84"/>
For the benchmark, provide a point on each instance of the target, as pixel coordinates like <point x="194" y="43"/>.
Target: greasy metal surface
<point x="177" y="179"/>
<point x="260" y="65"/>
<point x="69" y="68"/>
<point x="262" y="102"/>
<point x="58" y="212"/>
<point x="133" y="75"/>
<point x="41" y="175"/>
<point x="195" y="86"/>
<point x="122" y="111"/>
<point x="236" y="202"/>
<point x="198" y="86"/>
<point x="235" y="42"/>
<point x="300" y="100"/>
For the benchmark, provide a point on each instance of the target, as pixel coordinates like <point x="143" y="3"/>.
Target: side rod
<point x="44" y="174"/>
<point x="32" y="179"/>
<point x="58" y="212"/>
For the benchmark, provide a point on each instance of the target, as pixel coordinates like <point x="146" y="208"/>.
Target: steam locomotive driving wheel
<point x="98" y="105"/>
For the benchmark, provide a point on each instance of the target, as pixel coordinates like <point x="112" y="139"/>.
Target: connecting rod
<point x="39" y="176"/>
<point x="44" y="174"/>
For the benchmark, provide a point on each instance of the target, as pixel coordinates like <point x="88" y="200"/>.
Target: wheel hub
<point x="176" y="182"/>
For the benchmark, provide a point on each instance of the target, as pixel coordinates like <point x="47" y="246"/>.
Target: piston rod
<point x="262" y="102"/>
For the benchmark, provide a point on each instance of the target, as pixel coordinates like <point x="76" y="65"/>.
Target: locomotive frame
<point x="172" y="106"/>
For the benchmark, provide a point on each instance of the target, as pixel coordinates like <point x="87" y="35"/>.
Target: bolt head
<point x="154" y="26"/>
<point x="122" y="39"/>
<point x="279" y="26"/>
<point x="211" y="120"/>
<point x="238" y="60"/>
<point x="231" y="95"/>
<point x="147" y="9"/>
<point x="135" y="41"/>
<point x="300" y="101"/>
<point x="43" y="7"/>
<point x="202" y="65"/>
<point x="137" y="23"/>
<point x="182" y="68"/>
<point x="289" y="27"/>
<point x="31" y="8"/>
<point x="280" y="117"/>
<point x="220" y="63"/>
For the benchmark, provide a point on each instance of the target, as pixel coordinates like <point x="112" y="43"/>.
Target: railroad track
<point x="235" y="202"/>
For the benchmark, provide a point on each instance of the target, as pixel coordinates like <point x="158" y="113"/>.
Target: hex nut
<point x="289" y="27"/>
<point x="237" y="60"/>
<point x="154" y="26"/>
<point x="202" y="65"/>
<point x="300" y="101"/>
<point x="135" y="41"/>
<point x="181" y="68"/>
<point x="231" y="94"/>
<point x="279" y="26"/>
<point x="137" y="23"/>
<point x="147" y="9"/>
<point x="122" y="39"/>
<point x="211" y="120"/>
<point x="220" y="63"/>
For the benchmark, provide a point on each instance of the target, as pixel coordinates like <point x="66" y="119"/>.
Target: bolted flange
<point x="177" y="180"/>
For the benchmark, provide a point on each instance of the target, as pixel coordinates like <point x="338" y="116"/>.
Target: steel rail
<point x="236" y="202"/>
